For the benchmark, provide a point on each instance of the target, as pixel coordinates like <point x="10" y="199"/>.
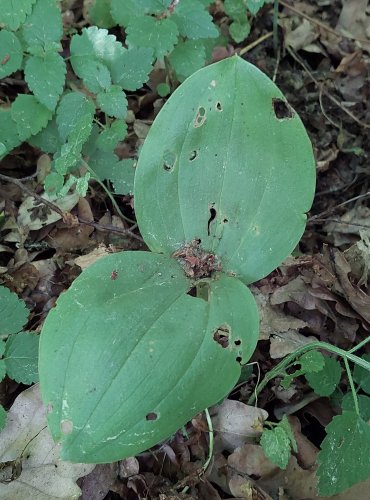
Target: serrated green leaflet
<point x="159" y="34"/>
<point x="48" y="140"/>
<point x="113" y="102"/>
<point x="13" y="312"/>
<point x="109" y="138"/>
<point x="11" y="53"/>
<point x="276" y="446"/>
<point x="193" y="21"/>
<point x="70" y="153"/>
<point x="362" y="376"/>
<point x="44" y="25"/>
<point x="252" y="213"/>
<point x="53" y="183"/>
<point x="21" y="356"/>
<point x="45" y="77"/>
<point x="8" y="131"/>
<point x="71" y="108"/>
<point x="187" y="57"/>
<point x="99" y="14"/>
<point x="29" y="115"/>
<point x="132" y="67"/>
<point x="131" y="345"/>
<point x="122" y="176"/>
<point x="255" y="5"/>
<point x="324" y="381"/>
<point x="123" y="11"/>
<point x="91" y="51"/>
<point x="13" y="14"/>
<point x="239" y="31"/>
<point x="344" y="459"/>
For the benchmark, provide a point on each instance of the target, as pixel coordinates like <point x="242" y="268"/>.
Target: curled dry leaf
<point x="236" y="423"/>
<point x="26" y="442"/>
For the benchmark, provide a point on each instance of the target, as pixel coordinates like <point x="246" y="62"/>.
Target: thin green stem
<point x="275" y="26"/>
<point x="352" y="386"/>
<point x="361" y="344"/>
<point x="109" y="194"/>
<point x="211" y="441"/>
<point x="281" y="367"/>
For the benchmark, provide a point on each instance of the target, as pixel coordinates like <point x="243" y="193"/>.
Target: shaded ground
<point x="323" y="292"/>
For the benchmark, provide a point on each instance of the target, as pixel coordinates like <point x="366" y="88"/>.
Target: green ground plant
<point x="156" y="337"/>
<point x="143" y="341"/>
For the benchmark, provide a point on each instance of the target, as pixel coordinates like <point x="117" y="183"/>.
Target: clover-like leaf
<point x="324" y="381"/>
<point x="99" y="13"/>
<point x="45" y="77"/>
<point x="276" y="446"/>
<point x="131" y="345"/>
<point x="29" y="115"/>
<point x="13" y="14"/>
<point x="255" y="5"/>
<point x="249" y="195"/>
<point x="11" y="53"/>
<point x="123" y="11"/>
<point x="48" y="140"/>
<point x="159" y="34"/>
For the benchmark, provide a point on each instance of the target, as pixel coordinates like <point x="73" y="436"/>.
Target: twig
<point x="338" y="221"/>
<point x="324" y="91"/>
<point x="251" y="46"/>
<point x="332" y="209"/>
<point x="55" y="208"/>
<point x="322" y="25"/>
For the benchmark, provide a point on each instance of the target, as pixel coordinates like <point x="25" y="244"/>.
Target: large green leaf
<point x="234" y="169"/>
<point x="127" y="356"/>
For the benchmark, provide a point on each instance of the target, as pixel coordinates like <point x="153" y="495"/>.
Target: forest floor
<point x="320" y="294"/>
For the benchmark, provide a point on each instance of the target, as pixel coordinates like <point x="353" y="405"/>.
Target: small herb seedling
<point x="222" y="187"/>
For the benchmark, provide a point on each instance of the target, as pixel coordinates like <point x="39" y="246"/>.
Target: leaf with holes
<point x="131" y="345"/>
<point x="11" y="53"/>
<point x="45" y="77"/>
<point x="253" y="213"/>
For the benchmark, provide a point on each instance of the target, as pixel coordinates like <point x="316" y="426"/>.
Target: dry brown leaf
<point x="251" y="460"/>
<point x="290" y="341"/>
<point x="236" y="423"/>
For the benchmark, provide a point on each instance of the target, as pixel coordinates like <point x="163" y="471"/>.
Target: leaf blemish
<point x="213" y="214"/>
<point x="218" y="106"/>
<point x="169" y="160"/>
<point x="66" y="426"/>
<point x="282" y="110"/>
<point x="193" y="155"/>
<point x="151" y="416"/>
<point x="222" y="336"/>
<point x="200" y="117"/>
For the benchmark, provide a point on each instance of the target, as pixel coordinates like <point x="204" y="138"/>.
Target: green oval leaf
<point x="242" y="175"/>
<point x="127" y="356"/>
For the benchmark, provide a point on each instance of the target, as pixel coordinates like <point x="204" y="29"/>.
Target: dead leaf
<point x="290" y="341"/>
<point x="251" y="460"/>
<point x="43" y="476"/>
<point x="236" y="423"/>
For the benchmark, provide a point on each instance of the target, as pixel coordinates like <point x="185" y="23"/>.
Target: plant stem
<point x="351" y="384"/>
<point x="361" y="344"/>
<point x="109" y="194"/>
<point x="280" y="368"/>
<point x="275" y="26"/>
<point x="210" y="450"/>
